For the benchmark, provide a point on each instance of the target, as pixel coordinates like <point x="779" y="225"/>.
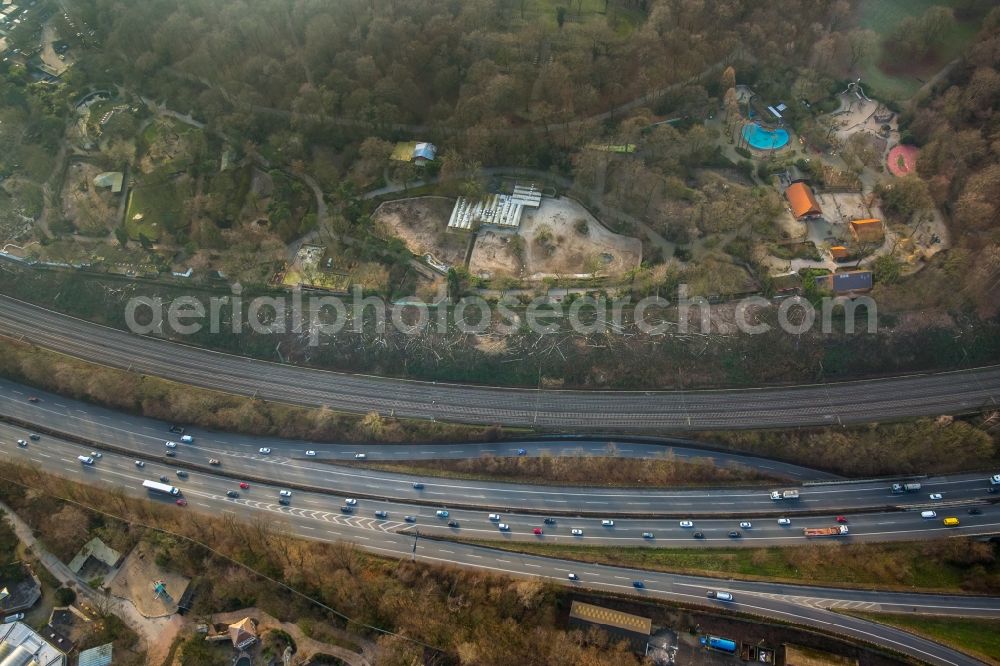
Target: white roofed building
<point x="21" y="646"/>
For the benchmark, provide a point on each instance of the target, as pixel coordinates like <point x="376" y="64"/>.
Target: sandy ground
<point x="49" y="56"/>
<point x="842" y="207"/>
<point x="422" y="223"/>
<point x="84" y="204"/>
<point x="134" y="581"/>
<point x="567" y="253"/>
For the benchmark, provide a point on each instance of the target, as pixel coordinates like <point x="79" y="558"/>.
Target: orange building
<point x="839" y="252"/>
<point x="867" y="231"/>
<point x="803" y="202"/>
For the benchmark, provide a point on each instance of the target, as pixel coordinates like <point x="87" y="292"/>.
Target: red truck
<point x="837" y="530"/>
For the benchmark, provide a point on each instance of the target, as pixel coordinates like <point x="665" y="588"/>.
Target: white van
<point x="928" y="514"/>
<point x="86" y="460"/>
<point x="721" y="596"/>
<point x="13" y="618"/>
<point x="187" y="439"/>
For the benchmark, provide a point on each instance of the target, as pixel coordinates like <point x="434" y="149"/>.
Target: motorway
<point x="288" y="463"/>
<point x="316" y="516"/>
<point x="580" y="411"/>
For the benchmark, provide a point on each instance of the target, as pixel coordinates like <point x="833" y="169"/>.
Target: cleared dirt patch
<point x="422" y="223"/>
<point x="91" y="209"/>
<point x="559" y="238"/>
<point x="135" y="578"/>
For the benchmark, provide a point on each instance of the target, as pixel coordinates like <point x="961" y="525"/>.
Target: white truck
<point x="162" y="488"/>
<point x="898" y="488"/>
<point x="784" y="494"/>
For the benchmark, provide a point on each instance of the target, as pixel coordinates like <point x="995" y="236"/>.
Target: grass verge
<point x="944" y="565"/>
<point x="594" y="471"/>
<point x="977" y="637"/>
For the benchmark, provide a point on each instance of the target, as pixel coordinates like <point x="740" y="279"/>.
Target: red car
<point x="537" y="530"/>
<point x="244" y="485"/>
<point x="841" y="519"/>
<point x="182" y="502"/>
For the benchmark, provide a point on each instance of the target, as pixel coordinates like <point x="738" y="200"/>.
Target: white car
<point x="784" y="522"/>
<point x="171" y="445"/>
<point x="573" y="576"/>
<point x="264" y="451"/>
<point x="139" y="463"/>
<point x="360" y="456"/>
<point x="95" y="454"/>
<point x="503" y="527"/>
<point x="576" y="531"/>
<point x="721" y="596"/>
<point x="746" y="524"/>
<point x="608" y="523"/>
<point x="187" y="439"/>
<point x="310" y="453"/>
<point x="285" y="493"/>
<point x="494" y="516"/>
<point x="935" y="496"/>
<point x="22" y="443"/>
<point x="441" y="513"/>
<point x="686" y="523"/>
<point x="350" y="501"/>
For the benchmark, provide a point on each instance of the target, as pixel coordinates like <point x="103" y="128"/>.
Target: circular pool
<point x="764" y="139"/>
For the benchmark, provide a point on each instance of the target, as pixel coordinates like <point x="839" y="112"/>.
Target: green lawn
<point x="883" y="16"/>
<point x="160" y="205"/>
<point x="922" y="565"/>
<point x="981" y="638"/>
<point x="589" y="10"/>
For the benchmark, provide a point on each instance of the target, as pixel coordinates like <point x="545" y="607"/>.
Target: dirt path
<point x="307" y="647"/>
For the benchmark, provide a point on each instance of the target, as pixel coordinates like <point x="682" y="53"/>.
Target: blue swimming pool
<point x="763" y="139"/>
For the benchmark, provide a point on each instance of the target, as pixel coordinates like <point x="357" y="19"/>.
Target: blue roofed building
<point x="846" y="283"/>
<point x="424" y="152"/>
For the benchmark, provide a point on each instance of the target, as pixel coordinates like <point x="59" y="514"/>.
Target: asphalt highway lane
<point x="309" y="517"/>
<point x="61" y="457"/>
<point x="586" y="411"/>
<point x="287" y="463"/>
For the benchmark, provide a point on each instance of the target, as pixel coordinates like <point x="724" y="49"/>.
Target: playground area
<point x="138" y="575"/>
<point x="858" y="113"/>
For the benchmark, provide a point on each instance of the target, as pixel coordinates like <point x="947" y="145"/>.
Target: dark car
<point x="699" y="535"/>
<point x="735" y="534"/>
<point x="32" y="399"/>
<point x="975" y="511"/>
<point x="232" y="493"/>
<point x="346" y="509"/>
<point x="452" y="523"/>
<point x="522" y="452"/>
<point x="177" y="430"/>
<point x="284" y="501"/>
<point x="382" y="514"/>
<point x="171" y="453"/>
<point x="418" y="486"/>
<point x="550" y="521"/>
<point x="638" y="584"/>
<point x="409" y="519"/>
<point x="33" y="437"/>
<point x="163" y="478"/>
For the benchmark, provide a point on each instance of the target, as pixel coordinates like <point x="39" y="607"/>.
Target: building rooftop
<point x="20" y="646"/>
<point x="611" y="618"/>
<point x="97" y="656"/>
<point x="803" y="202"/>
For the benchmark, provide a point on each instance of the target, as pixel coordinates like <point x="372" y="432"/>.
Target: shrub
<point x="65" y="596"/>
